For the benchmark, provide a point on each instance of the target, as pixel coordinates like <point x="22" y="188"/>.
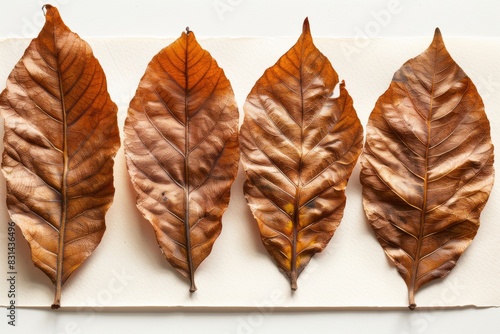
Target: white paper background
<point x="127" y="269"/>
<point x="474" y="19"/>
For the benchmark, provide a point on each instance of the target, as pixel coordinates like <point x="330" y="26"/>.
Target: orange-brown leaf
<point x="181" y="144"/>
<point x="61" y="135"/>
<point x="299" y="146"/>
<point x="427" y="166"/>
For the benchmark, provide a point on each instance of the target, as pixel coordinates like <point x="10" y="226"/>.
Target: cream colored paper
<point x="128" y="269"/>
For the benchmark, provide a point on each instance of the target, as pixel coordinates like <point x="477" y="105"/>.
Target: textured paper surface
<point x="128" y="269"/>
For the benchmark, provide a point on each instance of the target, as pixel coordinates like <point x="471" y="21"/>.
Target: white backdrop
<point x="250" y="18"/>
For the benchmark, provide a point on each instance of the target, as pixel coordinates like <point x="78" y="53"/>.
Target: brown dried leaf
<point x="61" y="135"/>
<point x="181" y="144"/>
<point x="299" y="146"/>
<point x="427" y="166"/>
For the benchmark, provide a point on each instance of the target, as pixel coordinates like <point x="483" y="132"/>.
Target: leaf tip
<point x="51" y="14"/>
<point x="305" y="26"/>
<point x="187" y="33"/>
<point x="437" y="36"/>
<point x="48" y="8"/>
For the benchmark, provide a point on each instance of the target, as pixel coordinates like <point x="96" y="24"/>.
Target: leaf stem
<point x="411" y="298"/>
<point x="57" y="299"/>
<point x="192" y="288"/>
<point x="293" y="280"/>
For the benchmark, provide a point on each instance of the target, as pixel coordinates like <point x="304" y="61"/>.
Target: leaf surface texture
<point x="181" y="145"/>
<point x="299" y="146"/>
<point x="61" y="135"/>
<point x="427" y="166"/>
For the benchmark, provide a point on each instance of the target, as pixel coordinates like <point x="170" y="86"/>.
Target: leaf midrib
<point x="64" y="184"/>
<point x="423" y="213"/>
<point x="187" y="228"/>
<point x="296" y="206"/>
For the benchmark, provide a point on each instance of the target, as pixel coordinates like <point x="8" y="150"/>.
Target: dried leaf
<point x="181" y="144"/>
<point x="61" y="135"/>
<point x="427" y="166"/>
<point x="299" y="146"/>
